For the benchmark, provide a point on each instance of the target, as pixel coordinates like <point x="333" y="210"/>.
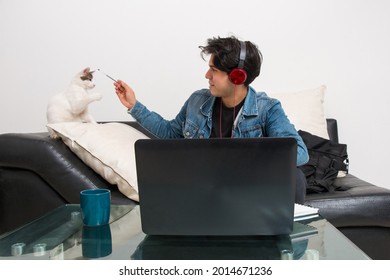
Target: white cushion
<point x="305" y="109"/>
<point x="107" y="148"/>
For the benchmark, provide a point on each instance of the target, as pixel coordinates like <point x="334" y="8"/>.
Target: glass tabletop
<point x="61" y="235"/>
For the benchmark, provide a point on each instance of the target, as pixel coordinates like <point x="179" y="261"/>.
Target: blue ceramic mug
<point x="95" y="206"/>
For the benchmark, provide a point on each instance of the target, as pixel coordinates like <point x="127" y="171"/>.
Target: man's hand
<point x="125" y="94"/>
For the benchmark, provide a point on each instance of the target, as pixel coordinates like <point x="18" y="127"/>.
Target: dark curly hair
<point x="226" y="52"/>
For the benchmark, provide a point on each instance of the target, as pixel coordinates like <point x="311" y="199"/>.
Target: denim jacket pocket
<point x="252" y="131"/>
<point x="190" y="130"/>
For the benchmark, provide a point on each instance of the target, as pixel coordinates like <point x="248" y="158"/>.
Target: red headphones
<point x="238" y="75"/>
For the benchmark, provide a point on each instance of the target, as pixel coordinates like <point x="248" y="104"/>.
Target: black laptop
<point x="218" y="187"/>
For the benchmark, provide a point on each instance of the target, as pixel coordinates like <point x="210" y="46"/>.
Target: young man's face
<point x="219" y="83"/>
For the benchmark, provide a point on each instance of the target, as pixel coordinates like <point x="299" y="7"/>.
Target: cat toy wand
<point x="108" y="76"/>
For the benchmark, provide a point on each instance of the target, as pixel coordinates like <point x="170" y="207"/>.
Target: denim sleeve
<point x="156" y="124"/>
<point x="278" y="125"/>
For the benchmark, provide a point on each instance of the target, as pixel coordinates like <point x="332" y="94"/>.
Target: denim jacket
<point x="261" y="116"/>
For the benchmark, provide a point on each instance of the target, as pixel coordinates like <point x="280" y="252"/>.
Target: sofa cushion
<point x="305" y="109"/>
<point x="107" y="148"/>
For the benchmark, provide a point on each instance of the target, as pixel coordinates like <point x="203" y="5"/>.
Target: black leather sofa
<point x="38" y="174"/>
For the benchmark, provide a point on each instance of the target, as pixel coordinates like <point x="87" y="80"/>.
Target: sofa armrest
<point x="54" y="162"/>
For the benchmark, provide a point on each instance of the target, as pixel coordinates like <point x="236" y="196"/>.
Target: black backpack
<point x="326" y="159"/>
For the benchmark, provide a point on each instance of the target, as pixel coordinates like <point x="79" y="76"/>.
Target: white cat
<point x="71" y="105"/>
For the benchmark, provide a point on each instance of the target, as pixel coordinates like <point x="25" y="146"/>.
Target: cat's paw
<point x="54" y="136"/>
<point x="98" y="96"/>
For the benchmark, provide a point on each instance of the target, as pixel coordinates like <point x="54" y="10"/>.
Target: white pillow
<point x="107" y="148"/>
<point x="305" y="109"/>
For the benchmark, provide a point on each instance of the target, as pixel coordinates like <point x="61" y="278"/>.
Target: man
<point x="229" y="108"/>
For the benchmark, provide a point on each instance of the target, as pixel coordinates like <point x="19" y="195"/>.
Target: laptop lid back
<point x="216" y="186"/>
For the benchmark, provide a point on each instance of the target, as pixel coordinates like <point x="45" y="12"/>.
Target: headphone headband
<point x="242" y="55"/>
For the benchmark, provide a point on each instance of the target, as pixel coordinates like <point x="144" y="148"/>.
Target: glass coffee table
<point x="61" y="235"/>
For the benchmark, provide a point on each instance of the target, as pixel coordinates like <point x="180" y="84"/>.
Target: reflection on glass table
<point x="62" y="235"/>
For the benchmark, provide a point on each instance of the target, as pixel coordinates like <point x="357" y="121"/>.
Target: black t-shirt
<point x="222" y="124"/>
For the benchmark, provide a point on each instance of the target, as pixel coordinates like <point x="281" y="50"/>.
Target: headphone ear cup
<point x="237" y="76"/>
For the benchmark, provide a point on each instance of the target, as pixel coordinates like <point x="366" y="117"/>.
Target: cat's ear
<point x="86" y="70"/>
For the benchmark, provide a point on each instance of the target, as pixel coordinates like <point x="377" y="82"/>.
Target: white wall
<point x="153" y="45"/>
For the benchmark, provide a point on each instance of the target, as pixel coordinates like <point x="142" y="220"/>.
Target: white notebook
<point x="303" y="212"/>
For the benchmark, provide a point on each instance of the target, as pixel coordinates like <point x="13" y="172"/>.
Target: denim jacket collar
<point x="207" y="107"/>
<point x="249" y="108"/>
